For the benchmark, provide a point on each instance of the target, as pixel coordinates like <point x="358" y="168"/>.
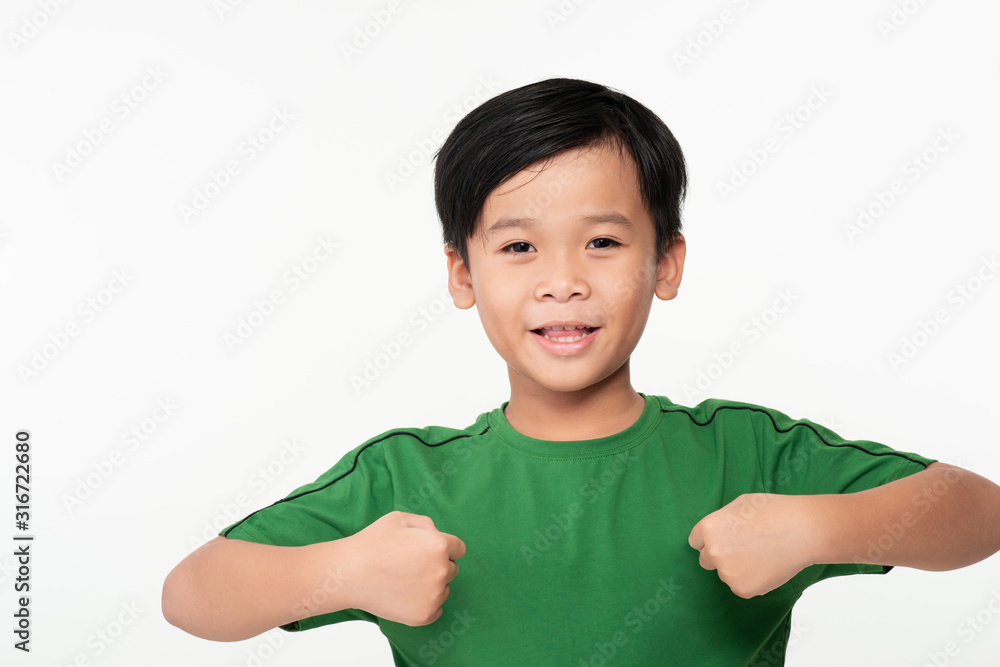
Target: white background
<point x="104" y="543"/>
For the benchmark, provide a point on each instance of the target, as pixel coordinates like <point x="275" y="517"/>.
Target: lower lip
<point x="577" y="346"/>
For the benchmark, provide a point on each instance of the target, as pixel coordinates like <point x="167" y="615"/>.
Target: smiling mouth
<point x="565" y="334"/>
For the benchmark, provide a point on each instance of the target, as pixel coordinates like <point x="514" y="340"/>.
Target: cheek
<point x="634" y="277"/>
<point x="629" y="296"/>
<point x="501" y="290"/>
<point x="497" y="310"/>
<point x="640" y="315"/>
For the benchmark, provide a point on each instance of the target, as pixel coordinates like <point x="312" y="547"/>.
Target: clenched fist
<point x="758" y="541"/>
<point x="403" y="566"/>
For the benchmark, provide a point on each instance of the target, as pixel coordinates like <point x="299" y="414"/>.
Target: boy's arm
<point x="397" y="568"/>
<point x="941" y="518"/>
<point x="228" y="590"/>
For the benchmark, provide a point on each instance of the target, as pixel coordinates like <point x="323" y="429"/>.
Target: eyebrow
<point x="527" y="223"/>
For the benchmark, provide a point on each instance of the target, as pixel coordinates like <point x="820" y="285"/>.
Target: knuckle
<point x="714" y="551"/>
<point x="432" y="615"/>
<point x="437" y="546"/>
<point x="740" y="587"/>
<point x="422" y="619"/>
<point x="440" y="573"/>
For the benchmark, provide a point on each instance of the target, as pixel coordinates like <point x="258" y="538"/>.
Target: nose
<point x="562" y="279"/>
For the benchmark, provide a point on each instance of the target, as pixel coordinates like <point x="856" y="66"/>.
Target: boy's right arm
<point x="397" y="568"/>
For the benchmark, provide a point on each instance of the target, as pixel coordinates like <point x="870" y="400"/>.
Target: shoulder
<point x="719" y="412"/>
<point x="428" y="436"/>
<point x="417" y="441"/>
<point x="767" y="425"/>
<point x="374" y="463"/>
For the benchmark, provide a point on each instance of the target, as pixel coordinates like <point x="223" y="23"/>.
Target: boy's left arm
<point x="941" y="518"/>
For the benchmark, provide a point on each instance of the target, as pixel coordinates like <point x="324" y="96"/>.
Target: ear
<point x="670" y="268"/>
<point x="459" y="279"/>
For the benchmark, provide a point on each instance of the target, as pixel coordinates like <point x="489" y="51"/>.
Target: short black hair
<point x="515" y="129"/>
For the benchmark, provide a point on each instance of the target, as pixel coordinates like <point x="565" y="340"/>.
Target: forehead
<point x="598" y="183"/>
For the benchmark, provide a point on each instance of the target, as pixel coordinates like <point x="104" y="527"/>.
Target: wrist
<point x="329" y="585"/>
<point x="832" y="516"/>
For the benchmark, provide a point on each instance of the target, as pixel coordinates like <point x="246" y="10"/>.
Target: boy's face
<point x="566" y="242"/>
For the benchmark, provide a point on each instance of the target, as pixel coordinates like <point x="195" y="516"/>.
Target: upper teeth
<point x="564" y="339"/>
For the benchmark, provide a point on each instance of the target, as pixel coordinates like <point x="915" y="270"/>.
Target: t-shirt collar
<point x="573" y="449"/>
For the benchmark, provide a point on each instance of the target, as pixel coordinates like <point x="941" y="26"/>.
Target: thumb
<point x="697" y="538"/>
<point x="456" y="547"/>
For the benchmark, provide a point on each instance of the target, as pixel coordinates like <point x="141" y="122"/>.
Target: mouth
<point x="569" y="333"/>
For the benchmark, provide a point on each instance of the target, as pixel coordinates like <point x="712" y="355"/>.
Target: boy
<point x="593" y="523"/>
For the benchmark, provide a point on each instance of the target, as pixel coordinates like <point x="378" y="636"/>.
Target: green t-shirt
<point x="577" y="551"/>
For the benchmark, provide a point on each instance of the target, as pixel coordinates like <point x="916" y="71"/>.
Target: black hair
<point x="515" y="129"/>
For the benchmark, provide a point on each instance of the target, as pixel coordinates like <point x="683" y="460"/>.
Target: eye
<point x="517" y="248"/>
<point x="603" y="243"/>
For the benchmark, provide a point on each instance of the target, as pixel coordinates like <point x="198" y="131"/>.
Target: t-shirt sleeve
<point x="350" y="496"/>
<point x="800" y="457"/>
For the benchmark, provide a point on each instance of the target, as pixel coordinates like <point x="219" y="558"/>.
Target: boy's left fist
<point x="758" y="541"/>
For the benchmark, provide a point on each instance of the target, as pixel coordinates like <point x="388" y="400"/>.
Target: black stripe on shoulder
<point x="798" y="423"/>
<point x="354" y="465"/>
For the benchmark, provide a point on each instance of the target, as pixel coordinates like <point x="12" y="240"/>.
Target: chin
<point x="565" y="385"/>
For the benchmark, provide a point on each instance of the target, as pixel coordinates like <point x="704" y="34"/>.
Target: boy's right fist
<point x="403" y="566"/>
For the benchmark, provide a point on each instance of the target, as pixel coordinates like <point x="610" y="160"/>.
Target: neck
<point x="597" y="411"/>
